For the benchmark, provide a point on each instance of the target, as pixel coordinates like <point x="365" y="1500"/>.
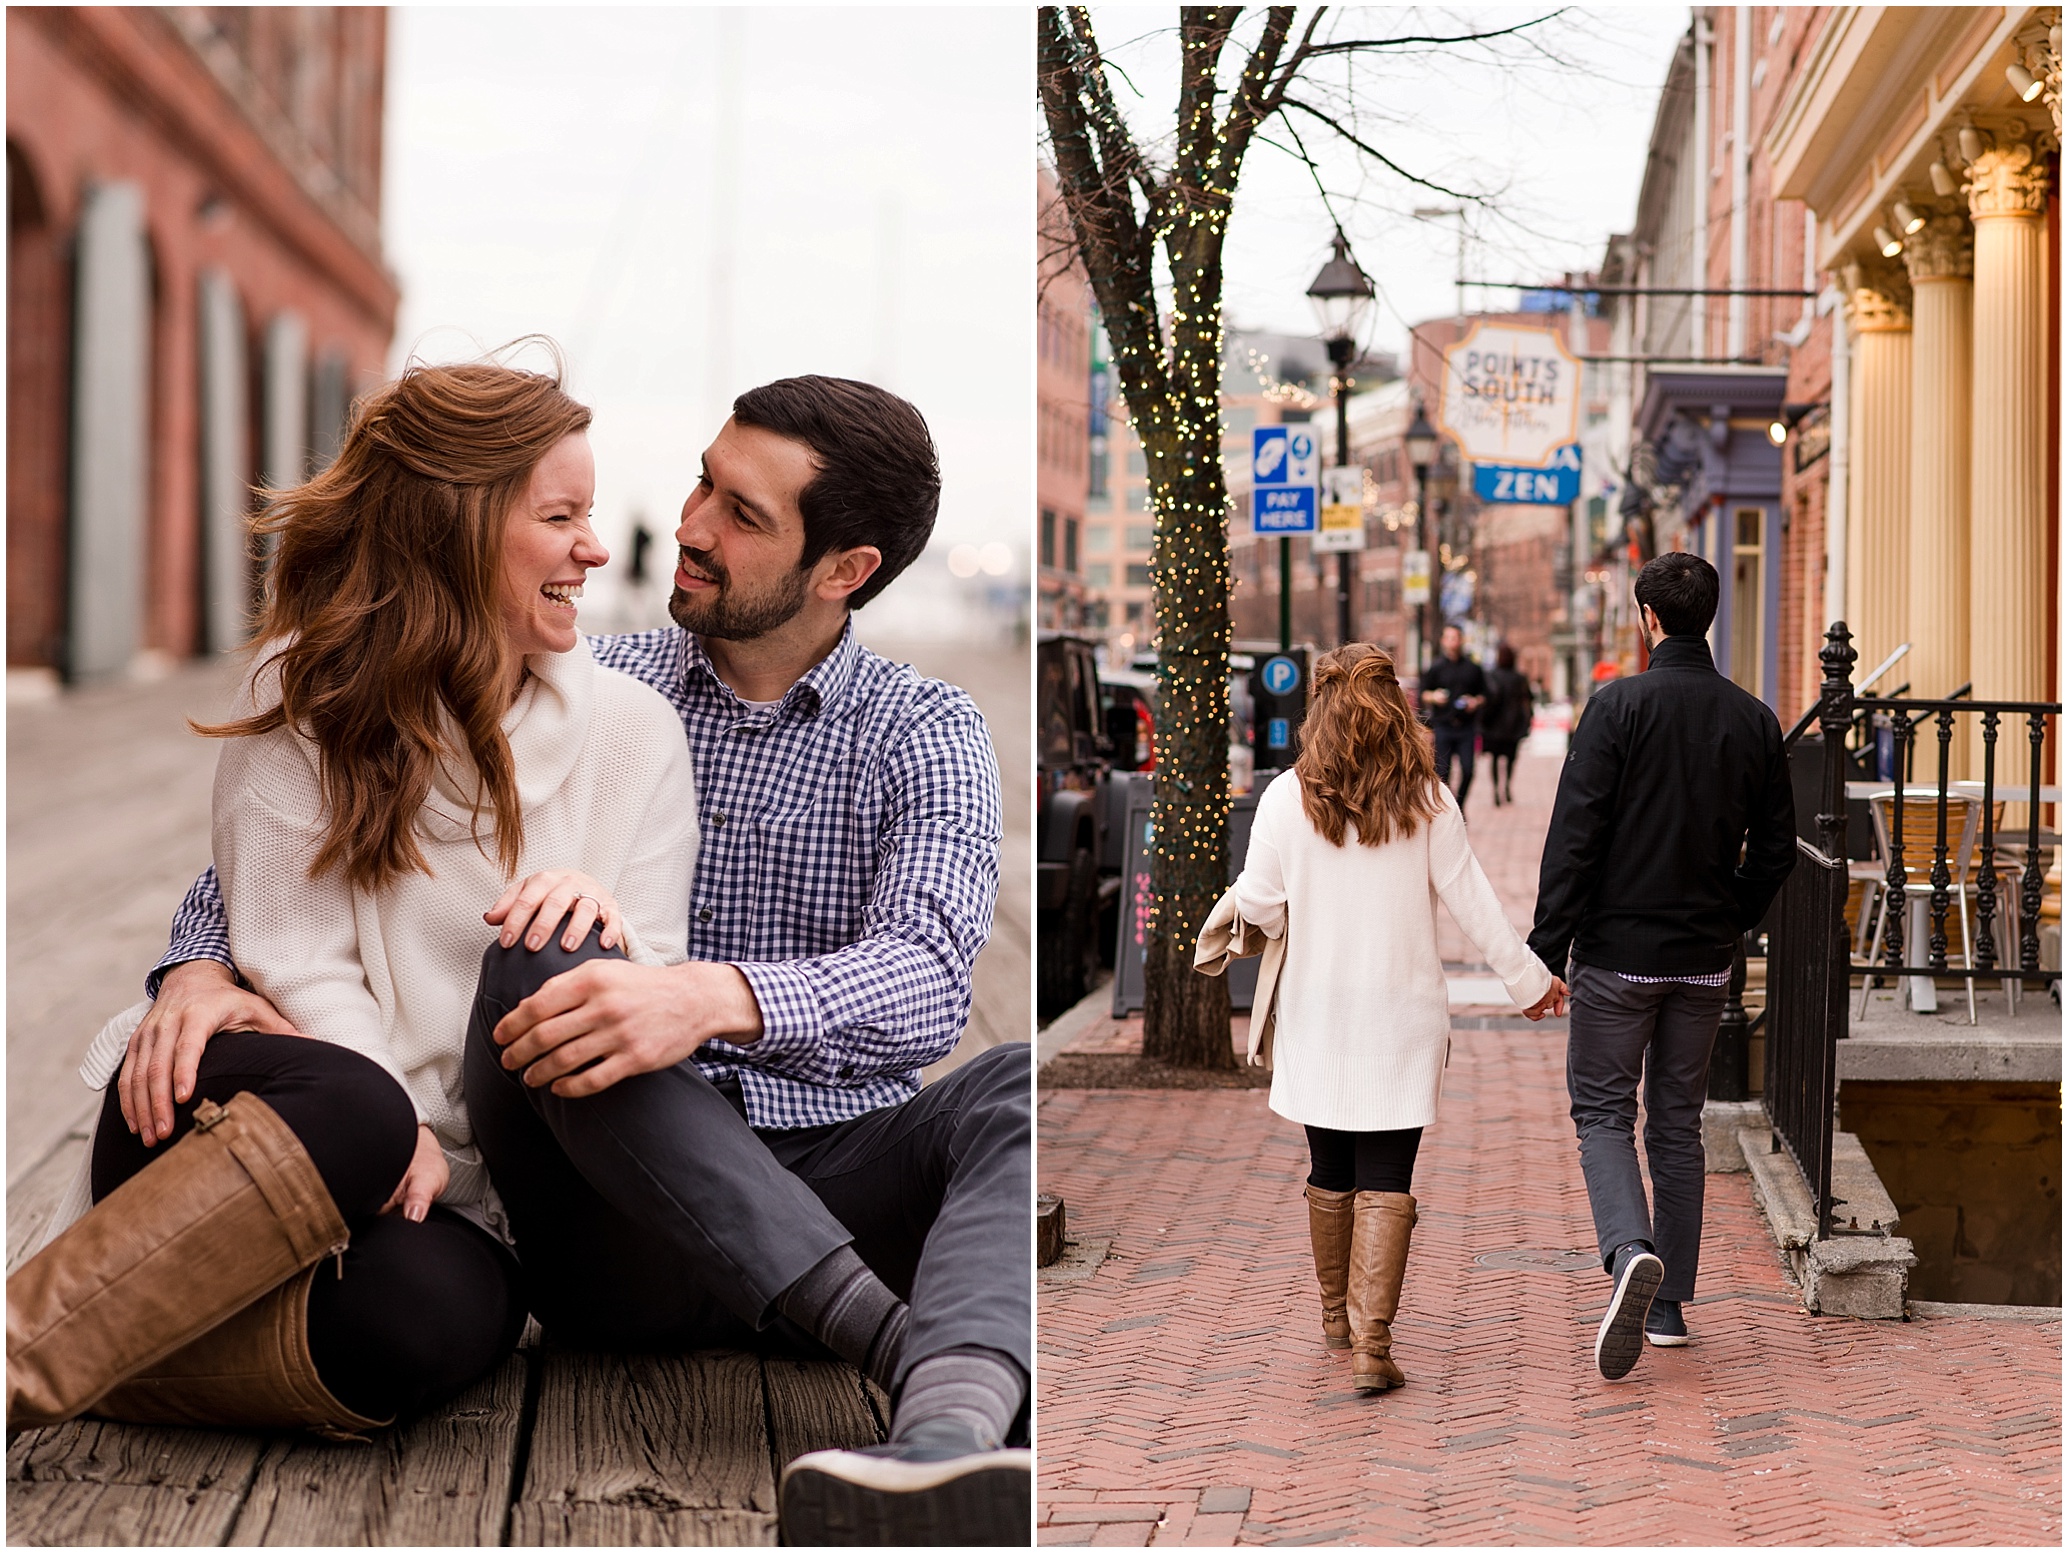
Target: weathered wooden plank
<point x="636" y="1448"/>
<point x="817" y="1405"/>
<point x="94" y="1484"/>
<point x="442" y="1481"/>
<point x="31" y="1199"/>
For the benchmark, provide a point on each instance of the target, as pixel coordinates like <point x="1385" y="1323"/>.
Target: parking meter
<point x="1278" y="689"/>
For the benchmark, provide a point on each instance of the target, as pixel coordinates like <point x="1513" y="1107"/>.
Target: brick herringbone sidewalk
<point x="1186" y="1396"/>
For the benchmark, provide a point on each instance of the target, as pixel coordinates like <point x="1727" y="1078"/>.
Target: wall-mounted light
<point x="1782" y="426"/>
<point x="1971" y="144"/>
<point x="1908" y="218"/>
<point x="1889" y="245"/>
<point x="2023" y="82"/>
<point x="1944" y="184"/>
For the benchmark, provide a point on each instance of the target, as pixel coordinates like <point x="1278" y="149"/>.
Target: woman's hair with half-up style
<point x="1364" y="757"/>
<point x="381" y="616"/>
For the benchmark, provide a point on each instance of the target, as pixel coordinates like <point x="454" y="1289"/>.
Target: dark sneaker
<point x="908" y="1496"/>
<point x="1620" y="1339"/>
<point x="1664" y="1326"/>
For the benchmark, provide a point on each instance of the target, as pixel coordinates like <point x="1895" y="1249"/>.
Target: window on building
<point x="1048" y="536"/>
<point x="1141" y="536"/>
<point x="1099" y="574"/>
<point x="1138" y="574"/>
<point x="1098" y="539"/>
<point x="1138" y="498"/>
<point x="1138" y="463"/>
<point x="1748" y="595"/>
<point x="1135" y="613"/>
<point x="1069" y="544"/>
<point x="1096" y="471"/>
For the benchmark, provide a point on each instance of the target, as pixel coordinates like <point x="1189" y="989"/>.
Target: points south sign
<point x="1511" y="394"/>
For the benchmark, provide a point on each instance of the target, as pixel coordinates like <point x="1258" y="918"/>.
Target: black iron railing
<point x="1810" y="968"/>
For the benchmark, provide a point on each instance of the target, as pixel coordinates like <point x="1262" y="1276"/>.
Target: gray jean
<point x="1659" y="1031"/>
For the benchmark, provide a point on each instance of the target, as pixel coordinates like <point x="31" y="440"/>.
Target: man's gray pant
<point x="1660" y="1031"/>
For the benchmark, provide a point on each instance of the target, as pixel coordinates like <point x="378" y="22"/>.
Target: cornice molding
<point x="2007" y="180"/>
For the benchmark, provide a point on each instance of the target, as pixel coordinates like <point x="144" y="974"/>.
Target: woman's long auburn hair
<point x="381" y="612"/>
<point x="1365" y="759"/>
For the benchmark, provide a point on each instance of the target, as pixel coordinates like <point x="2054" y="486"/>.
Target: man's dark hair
<point x="1681" y="590"/>
<point x="879" y="479"/>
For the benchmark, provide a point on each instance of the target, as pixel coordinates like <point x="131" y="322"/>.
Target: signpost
<point x="1342" y="511"/>
<point x="1283" y="463"/>
<point x="1414" y="578"/>
<point x="1511" y="395"/>
<point x="1557" y="484"/>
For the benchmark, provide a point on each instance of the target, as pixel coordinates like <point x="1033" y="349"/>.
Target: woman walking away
<point x="1349" y="853"/>
<point x="1505" y="722"/>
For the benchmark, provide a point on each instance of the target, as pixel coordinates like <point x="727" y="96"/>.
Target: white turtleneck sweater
<point x="1363" y="1008"/>
<point x="604" y="781"/>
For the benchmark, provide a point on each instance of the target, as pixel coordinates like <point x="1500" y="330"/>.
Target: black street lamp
<point x="1342" y="298"/>
<point x="1421" y="453"/>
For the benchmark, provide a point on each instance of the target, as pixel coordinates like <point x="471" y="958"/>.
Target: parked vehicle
<point x="1075" y="760"/>
<point x="1127" y="700"/>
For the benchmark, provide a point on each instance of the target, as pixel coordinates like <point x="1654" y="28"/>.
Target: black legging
<point x="1501" y="752"/>
<point x="1363" y="1161"/>
<point x="419" y="1311"/>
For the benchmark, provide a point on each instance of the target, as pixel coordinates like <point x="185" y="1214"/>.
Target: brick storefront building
<point x="195" y="292"/>
<point x="1063" y="437"/>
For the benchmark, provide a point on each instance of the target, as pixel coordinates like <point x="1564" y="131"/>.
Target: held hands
<point x="606" y="1020"/>
<point x="543" y="899"/>
<point x="196" y="1001"/>
<point x="1552" y="1002"/>
<point x="424" y="1182"/>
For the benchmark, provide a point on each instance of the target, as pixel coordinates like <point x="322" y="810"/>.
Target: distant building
<point x="195" y="293"/>
<point x="1063" y="438"/>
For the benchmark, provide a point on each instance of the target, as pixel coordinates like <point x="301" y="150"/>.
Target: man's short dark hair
<point x="1681" y="590"/>
<point x="879" y="479"/>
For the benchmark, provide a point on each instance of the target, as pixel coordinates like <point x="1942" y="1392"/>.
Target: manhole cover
<point x="1527" y="1260"/>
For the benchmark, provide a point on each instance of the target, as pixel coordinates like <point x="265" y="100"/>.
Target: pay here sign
<point x="1511" y="394"/>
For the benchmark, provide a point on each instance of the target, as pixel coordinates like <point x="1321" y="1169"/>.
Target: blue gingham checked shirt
<point x="848" y="867"/>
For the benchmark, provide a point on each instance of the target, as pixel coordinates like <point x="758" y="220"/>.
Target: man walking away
<point x="1453" y="691"/>
<point x="1505" y="722"/>
<point x="1673" y="829"/>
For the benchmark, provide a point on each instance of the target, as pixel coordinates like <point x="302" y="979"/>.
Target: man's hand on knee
<point x="607" y="1020"/>
<point x="196" y="1001"/>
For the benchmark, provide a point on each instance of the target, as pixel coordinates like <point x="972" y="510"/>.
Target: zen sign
<point x="1555" y="485"/>
<point x="1511" y="394"/>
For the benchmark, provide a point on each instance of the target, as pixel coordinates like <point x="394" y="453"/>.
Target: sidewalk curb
<point x="1856" y="1274"/>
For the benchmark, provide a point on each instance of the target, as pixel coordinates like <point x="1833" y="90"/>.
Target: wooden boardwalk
<point x="107" y="824"/>
<point x="556" y="1449"/>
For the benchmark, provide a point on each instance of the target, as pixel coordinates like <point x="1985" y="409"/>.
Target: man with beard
<point x="695" y="1154"/>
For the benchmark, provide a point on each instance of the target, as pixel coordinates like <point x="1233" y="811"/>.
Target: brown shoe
<point x="252" y="1372"/>
<point x="232" y="1211"/>
<point x="1378" y="1261"/>
<point x="1329" y="1216"/>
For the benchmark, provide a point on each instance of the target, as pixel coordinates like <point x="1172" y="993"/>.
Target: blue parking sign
<point x="1281" y="675"/>
<point x="1278" y="734"/>
<point x="1284" y="509"/>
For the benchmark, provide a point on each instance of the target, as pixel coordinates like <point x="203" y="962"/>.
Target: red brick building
<point x="1063" y="437"/>
<point x="195" y="291"/>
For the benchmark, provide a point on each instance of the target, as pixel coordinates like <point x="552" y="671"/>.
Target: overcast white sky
<point x="864" y="177"/>
<point x="1561" y="143"/>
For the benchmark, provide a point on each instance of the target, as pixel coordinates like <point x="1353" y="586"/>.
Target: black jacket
<point x="1505" y="718"/>
<point x="1461" y="677"/>
<point x="1669" y="775"/>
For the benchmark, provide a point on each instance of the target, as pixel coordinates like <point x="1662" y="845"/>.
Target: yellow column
<point x="2007" y="587"/>
<point x="1940" y="259"/>
<point x="1877" y="573"/>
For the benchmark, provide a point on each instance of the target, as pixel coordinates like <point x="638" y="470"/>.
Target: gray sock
<point x="972" y="1392"/>
<point x="846" y="1307"/>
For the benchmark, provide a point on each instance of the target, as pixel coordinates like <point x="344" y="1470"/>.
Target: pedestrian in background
<point x="1504" y="724"/>
<point x="1348" y="856"/>
<point x="1673" y="829"/>
<point x="1453" y="691"/>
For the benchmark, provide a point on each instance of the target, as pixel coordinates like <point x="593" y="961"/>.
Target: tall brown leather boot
<point x="232" y="1211"/>
<point x="1378" y="1261"/>
<point x="1329" y="1216"/>
<point x="252" y="1372"/>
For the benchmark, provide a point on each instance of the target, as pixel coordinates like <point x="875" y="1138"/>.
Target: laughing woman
<point x="308" y="1236"/>
<point x="1349" y="854"/>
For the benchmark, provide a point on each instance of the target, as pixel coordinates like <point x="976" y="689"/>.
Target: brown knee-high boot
<point x="232" y="1211"/>
<point x="1329" y="1216"/>
<point x="1378" y="1261"/>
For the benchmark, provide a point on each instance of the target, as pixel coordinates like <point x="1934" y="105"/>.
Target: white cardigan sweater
<point x="1363" y="1022"/>
<point x="604" y="779"/>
